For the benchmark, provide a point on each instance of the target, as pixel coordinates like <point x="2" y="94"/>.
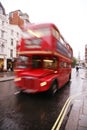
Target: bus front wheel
<point x="53" y="89"/>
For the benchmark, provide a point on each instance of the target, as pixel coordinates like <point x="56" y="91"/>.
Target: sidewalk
<point x="77" y="119"/>
<point x="78" y="116"/>
<point x="4" y="76"/>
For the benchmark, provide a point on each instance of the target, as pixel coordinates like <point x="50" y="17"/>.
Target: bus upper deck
<point x="44" y="39"/>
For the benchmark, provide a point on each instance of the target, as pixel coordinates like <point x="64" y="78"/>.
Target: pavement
<point x="4" y="76"/>
<point x="76" y="105"/>
<point x="78" y="116"/>
<point x="77" y="119"/>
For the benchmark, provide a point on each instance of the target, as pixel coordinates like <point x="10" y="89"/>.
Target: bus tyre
<point x="53" y="89"/>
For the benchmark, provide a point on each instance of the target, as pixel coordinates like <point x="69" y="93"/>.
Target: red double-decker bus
<point x="44" y="59"/>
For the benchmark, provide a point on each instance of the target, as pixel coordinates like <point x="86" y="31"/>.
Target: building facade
<point x="3" y="40"/>
<point x="14" y="34"/>
<point x="9" y="38"/>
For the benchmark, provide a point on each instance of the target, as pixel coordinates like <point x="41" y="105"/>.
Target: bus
<point x="44" y="60"/>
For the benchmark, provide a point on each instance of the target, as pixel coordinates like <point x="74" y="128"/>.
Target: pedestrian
<point x="77" y="69"/>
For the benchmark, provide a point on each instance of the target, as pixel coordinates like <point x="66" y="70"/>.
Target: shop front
<point x="1" y="64"/>
<point x="10" y="64"/>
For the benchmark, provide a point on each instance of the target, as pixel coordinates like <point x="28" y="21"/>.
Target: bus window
<point x="55" y="33"/>
<point x="41" y="32"/>
<point x="55" y="63"/>
<point x="50" y="63"/>
<point x="22" y="62"/>
<point x="61" y="64"/>
<point x="65" y="65"/>
<point x="47" y="63"/>
<point x="36" y="62"/>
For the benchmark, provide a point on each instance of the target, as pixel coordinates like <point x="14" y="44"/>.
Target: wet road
<point x="34" y="112"/>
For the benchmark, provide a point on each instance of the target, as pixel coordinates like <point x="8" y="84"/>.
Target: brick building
<point x="18" y="18"/>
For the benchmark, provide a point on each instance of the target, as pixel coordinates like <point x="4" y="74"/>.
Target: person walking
<point x="77" y="69"/>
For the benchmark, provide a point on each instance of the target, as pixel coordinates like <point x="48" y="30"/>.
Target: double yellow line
<point x="63" y="112"/>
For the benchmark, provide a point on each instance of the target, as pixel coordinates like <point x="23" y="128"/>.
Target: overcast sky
<point x="70" y="16"/>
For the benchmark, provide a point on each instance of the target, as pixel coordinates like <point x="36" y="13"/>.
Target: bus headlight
<point x="43" y="84"/>
<point x="17" y="79"/>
